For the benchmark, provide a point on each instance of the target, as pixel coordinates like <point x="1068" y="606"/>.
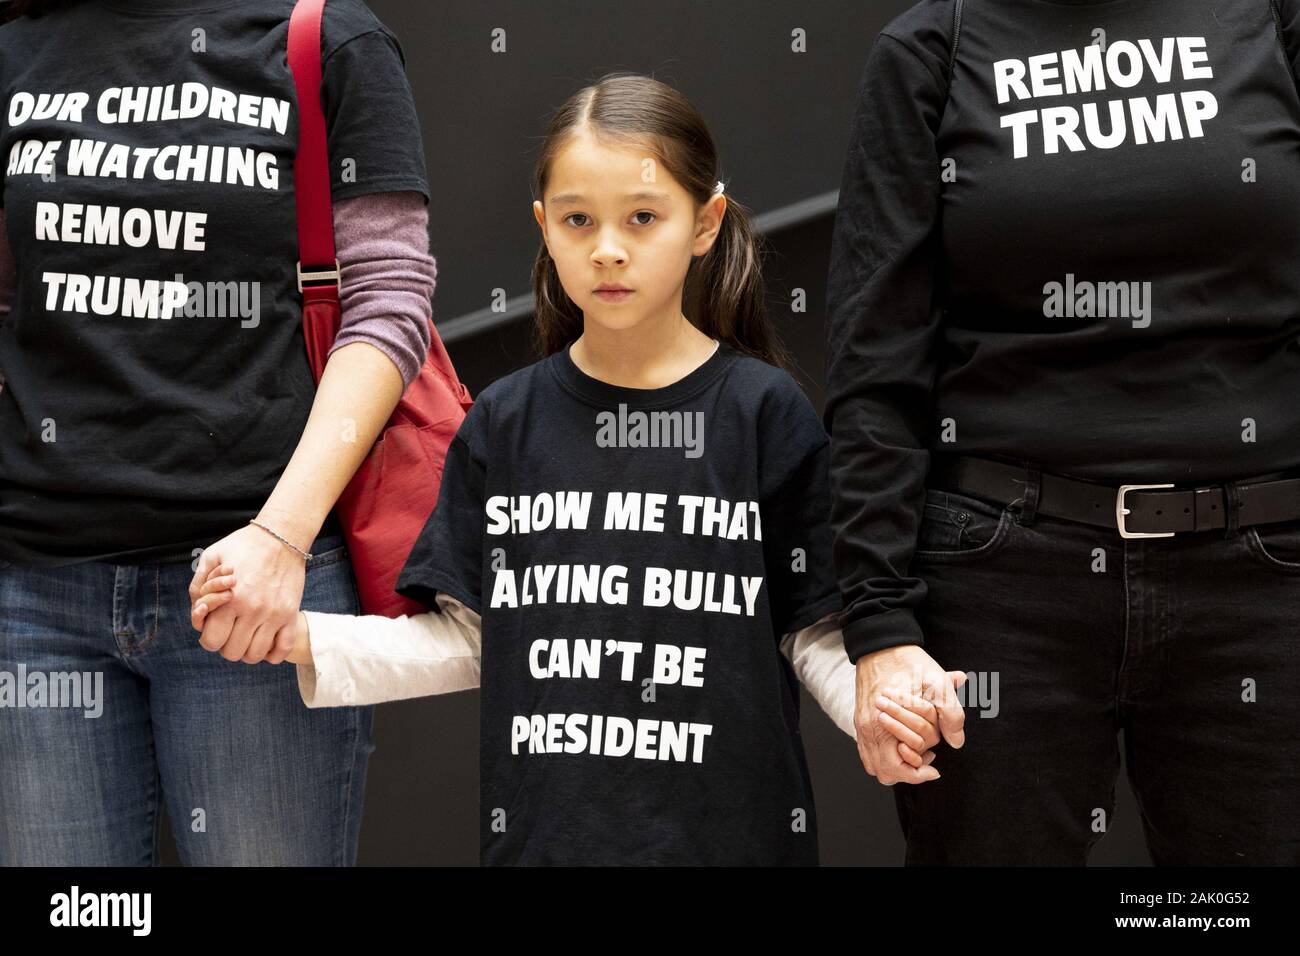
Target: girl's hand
<point x="257" y="622"/>
<point x="913" y="720"/>
<point x="219" y="589"/>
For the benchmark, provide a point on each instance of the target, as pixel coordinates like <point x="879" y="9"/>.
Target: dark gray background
<point x="781" y="122"/>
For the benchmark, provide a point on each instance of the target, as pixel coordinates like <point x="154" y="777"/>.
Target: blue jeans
<point x="1188" y="644"/>
<point x="249" y="774"/>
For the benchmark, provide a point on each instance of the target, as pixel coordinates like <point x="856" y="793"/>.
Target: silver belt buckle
<point x="1121" y="511"/>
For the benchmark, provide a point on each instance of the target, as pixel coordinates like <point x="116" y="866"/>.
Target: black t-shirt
<point x="636" y="556"/>
<point x="157" y="382"/>
<point x="1084" y="257"/>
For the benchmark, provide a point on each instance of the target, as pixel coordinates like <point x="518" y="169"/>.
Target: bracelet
<point x="306" y="557"/>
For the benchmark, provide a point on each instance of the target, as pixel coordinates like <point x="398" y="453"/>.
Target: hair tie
<point x="719" y="188"/>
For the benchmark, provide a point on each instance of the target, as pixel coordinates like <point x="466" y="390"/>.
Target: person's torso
<point x="157" y="382"/>
<point x="635" y="707"/>
<point x="1121" y="219"/>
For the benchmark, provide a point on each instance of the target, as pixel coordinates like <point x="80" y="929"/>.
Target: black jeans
<point x="1069" y="632"/>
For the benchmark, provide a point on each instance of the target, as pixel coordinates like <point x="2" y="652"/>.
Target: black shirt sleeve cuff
<point x="879" y="631"/>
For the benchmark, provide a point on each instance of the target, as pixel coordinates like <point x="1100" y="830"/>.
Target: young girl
<point x="635" y="525"/>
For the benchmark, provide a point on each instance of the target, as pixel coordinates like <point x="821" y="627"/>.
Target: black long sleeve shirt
<point x="1082" y="255"/>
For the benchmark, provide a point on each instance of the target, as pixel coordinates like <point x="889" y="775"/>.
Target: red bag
<point x="388" y="501"/>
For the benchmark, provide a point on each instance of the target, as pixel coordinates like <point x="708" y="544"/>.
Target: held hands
<point x="905" y="701"/>
<point x="257" y="619"/>
<point x="219" y="589"/>
<point x="904" y="698"/>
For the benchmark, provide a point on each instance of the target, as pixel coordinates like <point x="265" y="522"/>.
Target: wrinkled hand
<point x="219" y="589"/>
<point x="258" y="618"/>
<point x="905" y="702"/>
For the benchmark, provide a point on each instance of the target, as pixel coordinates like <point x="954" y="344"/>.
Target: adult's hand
<point x="908" y="676"/>
<point x="257" y="623"/>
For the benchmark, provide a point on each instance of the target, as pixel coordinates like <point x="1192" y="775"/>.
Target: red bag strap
<point x="318" y="267"/>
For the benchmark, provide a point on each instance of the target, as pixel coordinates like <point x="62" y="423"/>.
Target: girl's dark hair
<point x="724" y="287"/>
<point x="31" y="8"/>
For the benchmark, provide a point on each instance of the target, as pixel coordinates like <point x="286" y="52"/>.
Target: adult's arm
<point x="387" y="276"/>
<point x="882" y="325"/>
<point x="386" y="284"/>
<point x="390" y="281"/>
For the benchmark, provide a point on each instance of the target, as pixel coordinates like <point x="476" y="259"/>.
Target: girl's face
<point x="613" y="216"/>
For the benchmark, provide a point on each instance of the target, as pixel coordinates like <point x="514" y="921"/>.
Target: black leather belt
<point x="1135" y="511"/>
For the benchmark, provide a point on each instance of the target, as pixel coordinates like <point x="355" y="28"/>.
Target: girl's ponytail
<point x="724" y="291"/>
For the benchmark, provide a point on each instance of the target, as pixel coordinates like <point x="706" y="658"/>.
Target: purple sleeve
<point x="387" y="276"/>
<point x="7" y="278"/>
